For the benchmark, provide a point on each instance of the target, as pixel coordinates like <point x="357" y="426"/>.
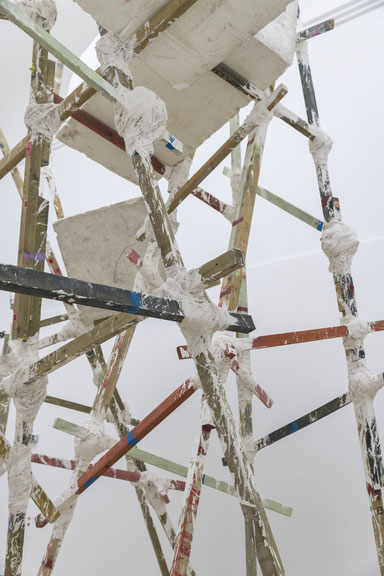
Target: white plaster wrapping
<point x="113" y="52"/>
<point x="140" y="118"/>
<point x="250" y="447"/>
<point x="235" y="183"/>
<point x="321" y="145"/>
<point x="153" y="485"/>
<point x="42" y="120"/>
<point x="363" y="384"/>
<point x="339" y="242"/>
<point x="259" y="119"/>
<point x="66" y="510"/>
<point x="19" y="477"/>
<point x="357" y="331"/>
<point x="202" y="317"/>
<point x="3" y="467"/>
<point x="221" y="342"/>
<point x="178" y="176"/>
<point x="95" y="442"/>
<point x="43" y="12"/>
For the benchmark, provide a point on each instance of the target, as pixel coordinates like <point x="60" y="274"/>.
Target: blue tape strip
<point x="203" y="479"/>
<point x="320" y="226"/>
<point x="135" y="306"/>
<point x="294" y="426"/>
<point x="169" y="146"/>
<point x="132" y="441"/>
<point x="91" y="481"/>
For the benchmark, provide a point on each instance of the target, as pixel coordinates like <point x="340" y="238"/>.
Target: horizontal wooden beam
<point x="290" y="209"/>
<point x="68" y="404"/>
<point x="212" y="272"/>
<point x="64" y="289"/>
<point x="54" y="287"/>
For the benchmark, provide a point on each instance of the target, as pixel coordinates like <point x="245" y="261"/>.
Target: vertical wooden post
<point x="345" y="293"/>
<point x="31" y="248"/>
<point x="191" y="501"/>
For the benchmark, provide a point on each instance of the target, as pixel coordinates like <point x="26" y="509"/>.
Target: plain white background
<point x="317" y="471"/>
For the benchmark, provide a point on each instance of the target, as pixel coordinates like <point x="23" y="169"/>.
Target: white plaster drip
<point x="112" y="52"/>
<point x="320" y="146"/>
<point x="140" y="118"/>
<point x="43" y="120"/>
<point x="357" y="331"/>
<point x="124" y="416"/>
<point x="363" y="384"/>
<point x="43" y="12"/>
<point x="73" y="328"/>
<point x="339" y="242"/>
<point x="177" y="176"/>
<point x="19" y="477"/>
<point x="95" y="442"/>
<point x="202" y="317"/>
<point x="246" y="383"/>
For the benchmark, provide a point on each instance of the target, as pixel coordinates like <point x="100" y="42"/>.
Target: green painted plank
<point x="290" y="208"/>
<point x="15" y="15"/>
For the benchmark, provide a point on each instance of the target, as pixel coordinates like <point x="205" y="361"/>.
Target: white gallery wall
<point x="317" y="471"/>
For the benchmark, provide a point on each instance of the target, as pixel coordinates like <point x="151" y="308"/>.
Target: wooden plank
<point x="290" y="209"/>
<point x="14" y="172"/>
<point x="215" y="269"/>
<point x="187" y="520"/>
<point x="67" y="404"/>
<point x="70" y="290"/>
<point x="139" y="432"/>
<point x="222" y="153"/>
<point x="54" y="287"/>
<point x="47" y="41"/>
<point x="345" y="293"/>
<point x="34" y="213"/>
<point x="53" y="320"/>
<point x="304" y="421"/>
<point x="13" y="157"/>
<point x="160" y="22"/>
<point x="82" y="344"/>
<point x="316" y="30"/>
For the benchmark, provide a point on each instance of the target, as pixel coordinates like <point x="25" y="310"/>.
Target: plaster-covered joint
<point x="339" y="242"/>
<point x="202" y="318"/>
<point x="43" y="120"/>
<point x="156" y="491"/>
<point x="114" y="52"/>
<point x="250" y="447"/>
<point x="95" y="442"/>
<point x="320" y="146"/>
<point x="177" y="176"/>
<point x="19" y="477"/>
<point x="140" y="118"/>
<point x="363" y="384"/>
<point x="43" y="12"/>
<point x="357" y="331"/>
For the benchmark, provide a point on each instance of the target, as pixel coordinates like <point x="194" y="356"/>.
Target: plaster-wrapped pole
<point x="340" y="243"/>
<point x="192" y="492"/>
<point x="221" y="412"/>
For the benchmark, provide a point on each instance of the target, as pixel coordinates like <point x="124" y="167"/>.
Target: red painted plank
<point x="146" y="425"/>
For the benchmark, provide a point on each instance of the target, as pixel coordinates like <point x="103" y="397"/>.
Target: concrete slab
<point x="102" y="258"/>
<point x="202" y="107"/>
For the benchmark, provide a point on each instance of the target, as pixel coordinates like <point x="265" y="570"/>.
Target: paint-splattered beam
<point x="316" y="30"/>
<point x="110" y="473"/>
<point x="53" y="287"/>
<point x="287" y="338"/>
<point x="304" y="421"/>
<point x="290" y="209"/>
<point x="237" y="137"/>
<point x="139" y="432"/>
